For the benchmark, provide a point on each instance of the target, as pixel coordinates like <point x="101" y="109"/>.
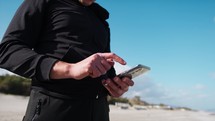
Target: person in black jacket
<point x="64" y="47"/>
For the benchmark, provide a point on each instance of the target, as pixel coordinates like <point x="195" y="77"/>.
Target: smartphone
<point x="135" y="71"/>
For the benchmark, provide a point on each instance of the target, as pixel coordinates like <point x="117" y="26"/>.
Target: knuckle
<point x="112" y="54"/>
<point x="87" y="70"/>
<point x="126" y="89"/>
<point x="120" y="92"/>
<point x="103" y="62"/>
<point x="95" y="56"/>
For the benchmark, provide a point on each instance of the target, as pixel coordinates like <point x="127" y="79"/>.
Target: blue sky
<point x="175" y="38"/>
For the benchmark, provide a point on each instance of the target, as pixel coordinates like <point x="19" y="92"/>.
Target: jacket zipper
<point x="37" y="110"/>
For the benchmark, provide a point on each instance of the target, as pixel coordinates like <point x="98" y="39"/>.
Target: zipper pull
<point x="97" y="96"/>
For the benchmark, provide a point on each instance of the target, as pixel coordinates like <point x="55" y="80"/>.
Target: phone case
<point x="135" y="71"/>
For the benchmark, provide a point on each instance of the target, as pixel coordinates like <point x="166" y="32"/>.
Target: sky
<point x="175" y="38"/>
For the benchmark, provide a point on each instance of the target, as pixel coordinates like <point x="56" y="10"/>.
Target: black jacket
<point x="44" y="31"/>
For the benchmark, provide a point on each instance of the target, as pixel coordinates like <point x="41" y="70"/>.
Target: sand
<point x="159" y="115"/>
<point x="12" y="108"/>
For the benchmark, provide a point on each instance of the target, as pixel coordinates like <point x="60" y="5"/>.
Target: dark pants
<point x="45" y="107"/>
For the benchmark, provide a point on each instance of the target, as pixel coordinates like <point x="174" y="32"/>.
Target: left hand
<point x="117" y="87"/>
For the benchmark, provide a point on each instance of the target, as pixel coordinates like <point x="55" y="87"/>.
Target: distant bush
<point x="112" y="100"/>
<point x="12" y="84"/>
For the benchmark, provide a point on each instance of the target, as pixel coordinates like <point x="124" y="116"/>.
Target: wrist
<point x="69" y="73"/>
<point x="61" y="70"/>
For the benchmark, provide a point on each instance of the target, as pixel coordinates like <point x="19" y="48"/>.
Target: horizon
<point x="173" y="37"/>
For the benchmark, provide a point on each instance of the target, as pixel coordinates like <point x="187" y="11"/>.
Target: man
<point x="64" y="47"/>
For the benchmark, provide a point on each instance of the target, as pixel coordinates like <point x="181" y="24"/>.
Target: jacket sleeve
<point x="17" y="47"/>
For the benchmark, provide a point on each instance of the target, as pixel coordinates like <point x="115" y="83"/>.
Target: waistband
<point x="68" y="97"/>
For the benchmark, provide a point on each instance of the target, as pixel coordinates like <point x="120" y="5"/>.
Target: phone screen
<point x="135" y="71"/>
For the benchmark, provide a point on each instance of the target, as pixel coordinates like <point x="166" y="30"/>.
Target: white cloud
<point x="183" y="93"/>
<point x="202" y="96"/>
<point x="199" y="87"/>
<point x="187" y="95"/>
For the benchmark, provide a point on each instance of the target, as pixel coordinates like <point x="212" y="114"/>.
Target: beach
<point x="12" y="108"/>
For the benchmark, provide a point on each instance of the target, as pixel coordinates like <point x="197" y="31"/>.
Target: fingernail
<point x="125" y="62"/>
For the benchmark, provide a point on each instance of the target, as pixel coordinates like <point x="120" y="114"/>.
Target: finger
<point x="128" y="81"/>
<point x="112" y="92"/>
<point x="114" y="57"/>
<point x="101" y="68"/>
<point x="123" y="85"/>
<point x="106" y="65"/>
<point x="95" y="72"/>
<point x="107" y="86"/>
<point x="103" y="65"/>
<point x="114" y="89"/>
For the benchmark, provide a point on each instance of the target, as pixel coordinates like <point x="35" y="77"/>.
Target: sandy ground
<point x="12" y="108"/>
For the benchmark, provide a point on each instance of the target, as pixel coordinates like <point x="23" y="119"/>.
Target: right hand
<point x="94" y="66"/>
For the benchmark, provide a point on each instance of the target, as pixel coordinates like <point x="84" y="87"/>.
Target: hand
<point x="117" y="87"/>
<point x="96" y="65"/>
<point x="93" y="66"/>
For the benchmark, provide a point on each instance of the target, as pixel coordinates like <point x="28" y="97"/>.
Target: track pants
<point x="45" y="107"/>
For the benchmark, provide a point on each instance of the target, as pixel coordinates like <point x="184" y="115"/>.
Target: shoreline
<point x="12" y="108"/>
